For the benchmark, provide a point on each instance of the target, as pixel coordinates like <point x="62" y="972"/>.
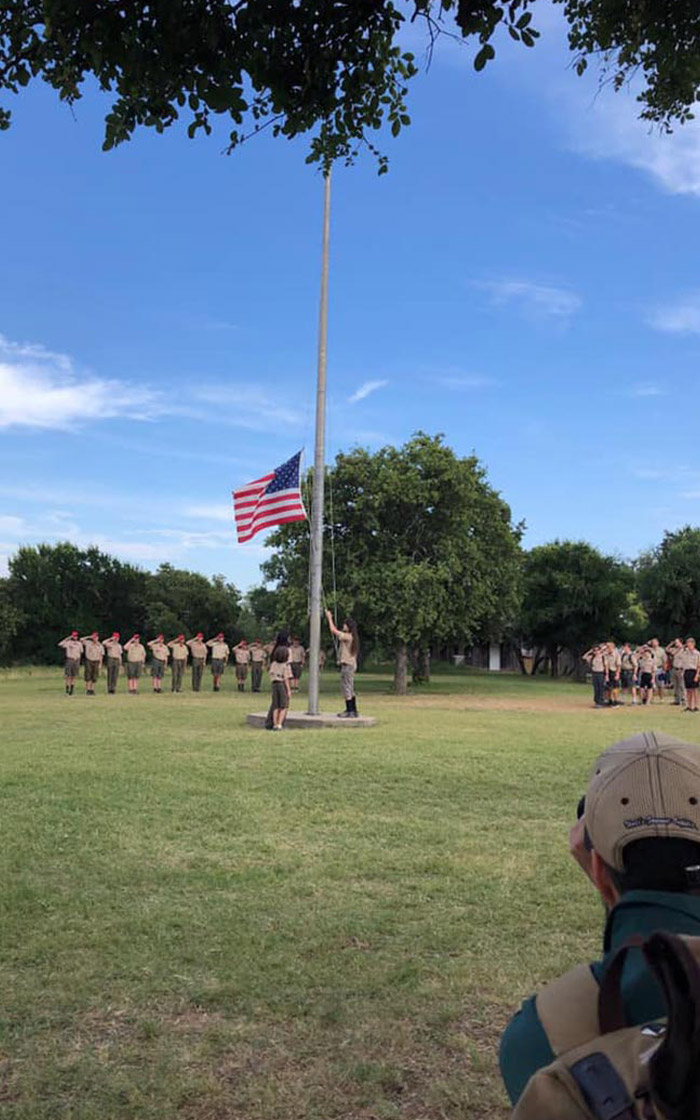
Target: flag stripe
<point x="281" y="521"/>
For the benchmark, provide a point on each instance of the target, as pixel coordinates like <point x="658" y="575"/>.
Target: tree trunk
<point x="421" y="671"/>
<point x="553" y="655"/>
<point x="401" y="670"/>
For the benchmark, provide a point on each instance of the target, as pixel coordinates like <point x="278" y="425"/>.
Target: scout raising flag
<point x="274" y="499"/>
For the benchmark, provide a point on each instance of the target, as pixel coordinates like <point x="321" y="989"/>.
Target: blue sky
<point x="525" y="280"/>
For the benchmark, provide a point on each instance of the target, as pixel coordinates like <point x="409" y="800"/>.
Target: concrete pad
<point x="302" y="721"/>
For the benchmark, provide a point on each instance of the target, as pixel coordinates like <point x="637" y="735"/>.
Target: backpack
<point x="649" y="1072"/>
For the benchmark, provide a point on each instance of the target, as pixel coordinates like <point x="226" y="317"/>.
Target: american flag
<point x="271" y="500"/>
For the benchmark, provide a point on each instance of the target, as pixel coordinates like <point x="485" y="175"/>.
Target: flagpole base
<point x="302" y="721"/>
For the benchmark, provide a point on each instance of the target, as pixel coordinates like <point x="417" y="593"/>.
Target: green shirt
<point x="524" y="1045"/>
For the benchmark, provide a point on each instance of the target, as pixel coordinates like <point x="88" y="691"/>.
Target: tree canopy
<point x="573" y="595"/>
<point x="334" y="69"/>
<point x="669" y="584"/>
<point x="425" y="550"/>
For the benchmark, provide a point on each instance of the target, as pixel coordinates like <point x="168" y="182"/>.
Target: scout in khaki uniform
<point x="219" y="656"/>
<point x="198" y="649"/>
<point x="94" y="654"/>
<point x="348" y="651"/>
<point x="257" y="661"/>
<point x="281" y="680"/>
<point x="113" y="649"/>
<point x="629" y="669"/>
<point x="159" y="654"/>
<point x="676" y="654"/>
<point x="73" y="650"/>
<point x="297" y="657"/>
<point x="659" y="669"/>
<point x="595" y="657"/>
<point x="647" y="668"/>
<point x="613" y="665"/>
<point x="241" y="656"/>
<point x="135" y="659"/>
<point x="691" y="675"/>
<point x="180" y="653"/>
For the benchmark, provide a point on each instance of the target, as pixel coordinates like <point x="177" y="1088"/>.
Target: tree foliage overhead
<point x="334" y="69"/>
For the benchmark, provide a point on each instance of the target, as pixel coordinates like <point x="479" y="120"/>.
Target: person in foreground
<point x="348" y="652"/>
<point x="638" y="841"/>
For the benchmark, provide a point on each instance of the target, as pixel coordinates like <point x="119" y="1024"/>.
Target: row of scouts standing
<point x="110" y="653"/>
<point x="643" y="674"/>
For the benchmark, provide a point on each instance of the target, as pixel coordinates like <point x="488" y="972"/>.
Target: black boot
<point x="353" y="707"/>
<point x="348" y="710"/>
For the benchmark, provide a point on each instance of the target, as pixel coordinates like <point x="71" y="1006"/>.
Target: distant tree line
<point x="419" y="549"/>
<point x="52" y="589"/>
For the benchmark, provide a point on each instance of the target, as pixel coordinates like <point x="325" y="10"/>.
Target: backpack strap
<point x="568" y="1009"/>
<point x="675" y="1075"/>
<point x="611" y="1008"/>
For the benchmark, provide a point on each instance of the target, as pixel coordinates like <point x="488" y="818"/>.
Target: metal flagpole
<point x="316" y="552"/>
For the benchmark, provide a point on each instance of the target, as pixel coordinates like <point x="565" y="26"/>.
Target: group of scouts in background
<point x="110" y="652"/>
<point x="646" y="671"/>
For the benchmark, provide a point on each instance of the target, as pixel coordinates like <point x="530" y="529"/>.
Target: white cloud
<point x="647" y="391"/>
<point x="211" y="513"/>
<point x="545" y="301"/>
<point x="41" y="389"/>
<point x="463" y="381"/>
<point x="11" y="524"/>
<point x="610" y="128"/>
<point x="244" y="406"/>
<point x="679" y="318"/>
<point x="365" y="390"/>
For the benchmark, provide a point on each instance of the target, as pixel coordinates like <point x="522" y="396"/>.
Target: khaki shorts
<point x="279" y="695"/>
<point x="133" y="670"/>
<point x="92" y="671"/>
<point x="241" y="672"/>
<point x="218" y="666"/>
<point x="72" y="668"/>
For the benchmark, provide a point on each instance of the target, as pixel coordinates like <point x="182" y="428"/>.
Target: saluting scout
<point x="94" y="654"/>
<point x="73" y="651"/>
<point x="595" y="657"/>
<point x="113" y="649"/>
<point x="613" y="665"/>
<point x="257" y="661"/>
<point x="160" y="654"/>
<point x="676" y="652"/>
<point x="629" y="668"/>
<point x="297" y="657"/>
<point x="135" y="658"/>
<point x="647" y="668"/>
<point x="198" y="649"/>
<point x="691" y="661"/>
<point x="178" y="665"/>
<point x="659" y="669"/>
<point x="219" y="657"/>
<point x="241" y="656"/>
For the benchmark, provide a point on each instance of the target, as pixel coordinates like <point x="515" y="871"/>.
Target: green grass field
<point x="201" y="920"/>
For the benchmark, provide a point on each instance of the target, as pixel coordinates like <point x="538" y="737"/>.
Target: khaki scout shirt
<point x="647" y="662"/>
<point x="180" y="650"/>
<point x="678" y="656"/>
<point x="660" y="657"/>
<point x="73" y="648"/>
<point x="159" y="650"/>
<point x="629" y="661"/>
<point x="297" y="654"/>
<point x="257" y="653"/>
<point x="94" y="651"/>
<point x="197" y="648"/>
<point x="113" y="648"/>
<point x="691" y="659"/>
<point x="219" y="650"/>
<point x="241" y="656"/>
<point x="344" y="655"/>
<point x="596" y="661"/>
<point x="613" y="662"/>
<point x="135" y="651"/>
<point x="280" y="670"/>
